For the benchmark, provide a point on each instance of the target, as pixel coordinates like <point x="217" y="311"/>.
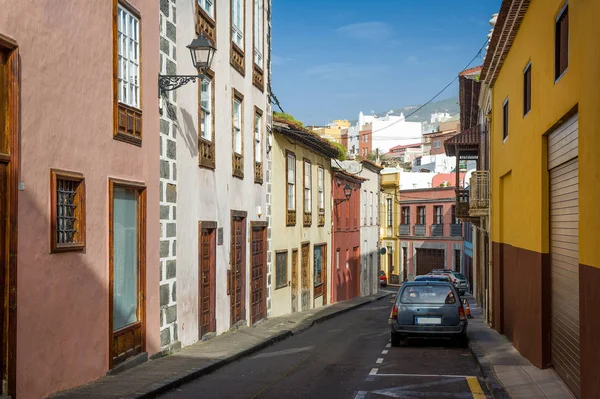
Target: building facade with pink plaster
<point x="79" y="190"/>
<point x="431" y="237"/>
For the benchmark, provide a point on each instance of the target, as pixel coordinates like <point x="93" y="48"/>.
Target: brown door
<point x="305" y="274"/>
<point x="259" y="296"/>
<point x="238" y="268"/>
<point x="404" y="264"/>
<point x="429" y="259"/>
<point x="127" y="270"/>
<point x="207" y="321"/>
<point x="9" y="129"/>
<point x="295" y="280"/>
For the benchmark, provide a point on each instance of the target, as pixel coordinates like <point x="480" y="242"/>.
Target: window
<point x="258" y="32"/>
<point x="337" y="259"/>
<point x="258" y="151"/>
<point x="307" y="193"/>
<point x="428" y="294"/>
<point x="237" y="22"/>
<point x="527" y="90"/>
<point x="454" y="218"/>
<point x="321" y="188"/>
<point x="438" y="212"/>
<point x="68" y="211"/>
<point x="457" y="260"/>
<point x="281" y="266"/>
<point x="561" y="43"/>
<point x="206" y="139"/>
<point x="291" y="188"/>
<point x="437" y="144"/>
<point x="505" y="120"/>
<point x="364" y="201"/>
<point x="127" y="81"/>
<point x="318" y="264"/>
<point x="237" y="129"/>
<point x="405" y="215"/>
<point x="390" y="220"/>
<point x="371" y="207"/>
<point x="420" y="215"/>
<point x="208" y="6"/>
<point x="347" y="259"/>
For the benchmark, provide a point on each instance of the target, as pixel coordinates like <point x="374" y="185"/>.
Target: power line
<point x="434" y="97"/>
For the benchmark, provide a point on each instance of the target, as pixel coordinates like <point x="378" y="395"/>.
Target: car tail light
<point x="461" y="313"/>
<point x="395" y="311"/>
<point x="455" y="280"/>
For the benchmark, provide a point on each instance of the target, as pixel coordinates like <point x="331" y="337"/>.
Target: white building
<point x="415" y="180"/>
<point x="222" y="163"/>
<point x="390" y="131"/>
<point x="440" y="163"/>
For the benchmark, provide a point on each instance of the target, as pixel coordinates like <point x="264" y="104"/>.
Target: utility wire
<point x="434" y="97"/>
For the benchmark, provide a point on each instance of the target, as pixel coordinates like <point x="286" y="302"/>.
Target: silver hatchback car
<point x="428" y="309"/>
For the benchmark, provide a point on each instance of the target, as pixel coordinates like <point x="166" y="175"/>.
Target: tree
<point x="341" y="150"/>
<point x="287" y="117"/>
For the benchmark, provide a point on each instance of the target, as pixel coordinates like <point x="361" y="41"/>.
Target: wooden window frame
<point x="258" y="74"/>
<point x="140" y="189"/>
<point x="321" y="214"/>
<point x="505" y="120"/>
<point x="206" y="148"/>
<point x="291" y="213"/>
<point x="280" y="286"/>
<point x="319" y="289"/>
<point x="80" y="214"/>
<point x="527" y="89"/>
<point x="124" y="115"/>
<point x="405" y="215"/>
<point x="558" y="50"/>
<point x="307" y="215"/>
<point x="258" y="166"/>
<point x="237" y="59"/>
<point x="237" y="160"/>
<point x="438" y="218"/>
<point x="421" y="218"/>
<point x="205" y="23"/>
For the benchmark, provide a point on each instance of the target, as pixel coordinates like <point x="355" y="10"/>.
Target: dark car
<point x="428" y="309"/>
<point x="458" y="279"/>
<point x="382" y="278"/>
<point x="434" y="277"/>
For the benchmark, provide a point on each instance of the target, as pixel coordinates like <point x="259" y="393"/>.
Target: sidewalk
<point x="507" y="373"/>
<point x="161" y="375"/>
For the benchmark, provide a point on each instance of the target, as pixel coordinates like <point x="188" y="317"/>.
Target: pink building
<point x="79" y="190"/>
<point x="430" y="233"/>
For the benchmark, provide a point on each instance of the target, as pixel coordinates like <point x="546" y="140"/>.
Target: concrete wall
<point x="206" y="194"/>
<point x="369" y="231"/>
<point x="285" y="237"/>
<point x="67" y="122"/>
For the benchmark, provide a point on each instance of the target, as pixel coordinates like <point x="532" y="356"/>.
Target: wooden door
<point x="404" y="264"/>
<point x="294" y="280"/>
<point x="9" y="161"/>
<point x="305" y="274"/>
<point x="206" y="290"/>
<point x="259" y="286"/>
<point x="237" y="272"/>
<point x="127" y="270"/>
<point x="429" y="259"/>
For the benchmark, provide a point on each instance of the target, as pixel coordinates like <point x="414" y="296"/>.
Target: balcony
<point x="437" y="230"/>
<point x="462" y="204"/>
<point x="405" y="229"/>
<point x="456" y="230"/>
<point x="420" y="229"/>
<point x="479" y="196"/>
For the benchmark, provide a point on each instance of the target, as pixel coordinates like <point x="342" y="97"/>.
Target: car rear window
<point x="428" y="294"/>
<point x="460" y="276"/>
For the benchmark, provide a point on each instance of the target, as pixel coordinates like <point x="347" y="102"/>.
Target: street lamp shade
<point x="347" y="191"/>
<point x="202" y="51"/>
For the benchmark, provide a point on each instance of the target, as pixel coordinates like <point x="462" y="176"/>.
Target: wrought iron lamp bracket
<point x="172" y="82"/>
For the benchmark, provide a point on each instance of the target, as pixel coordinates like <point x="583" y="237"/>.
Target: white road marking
<point x="379" y="361"/>
<point x="373" y="371"/>
<point x="360" y="395"/>
<point x="283" y="352"/>
<point x="388" y="346"/>
<point x="420" y="375"/>
<point x="384" y="352"/>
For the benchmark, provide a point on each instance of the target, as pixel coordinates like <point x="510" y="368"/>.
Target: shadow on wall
<point x="188" y="132"/>
<point x="62" y="309"/>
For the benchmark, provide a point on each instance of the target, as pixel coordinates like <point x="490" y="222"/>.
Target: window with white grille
<point x="258" y="32"/>
<point x="257" y="138"/>
<point x="321" y="190"/>
<point x="208" y="6"/>
<point x="291" y="182"/>
<point x="237" y="22"/>
<point x="206" y="109"/>
<point x="128" y="57"/>
<point x="307" y="187"/>
<point x="237" y="126"/>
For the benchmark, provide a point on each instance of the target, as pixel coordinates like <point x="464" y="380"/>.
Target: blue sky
<point x="334" y="58"/>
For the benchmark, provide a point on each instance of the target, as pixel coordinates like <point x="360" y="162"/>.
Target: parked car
<point x="428" y="309"/>
<point x="458" y="279"/>
<point x="434" y="277"/>
<point x="382" y="278"/>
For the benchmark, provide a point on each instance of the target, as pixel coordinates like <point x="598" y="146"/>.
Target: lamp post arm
<point x="172" y="82"/>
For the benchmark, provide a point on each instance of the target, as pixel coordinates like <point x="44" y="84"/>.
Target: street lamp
<point x="202" y="51"/>
<point x="347" y="194"/>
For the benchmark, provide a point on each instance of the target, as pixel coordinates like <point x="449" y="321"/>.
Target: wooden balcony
<point x="479" y="195"/>
<point x="462" y="204"/>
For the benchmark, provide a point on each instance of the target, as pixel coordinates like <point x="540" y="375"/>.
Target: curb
<point x="494" y="385"/>
<point x="164" y="386"/>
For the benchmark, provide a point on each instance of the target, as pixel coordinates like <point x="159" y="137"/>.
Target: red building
<point x="346" y="235"/>
<point x="365" y="144"/>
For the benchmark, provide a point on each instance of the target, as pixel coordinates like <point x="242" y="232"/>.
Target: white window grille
<point x="291" y="182"/>
<point x="237" y="126"/>
<point x="205" y="109"/>
<point x="307" y="187"/>
<point x="257" y="138"/>
<point x="258" y="32"/>
<point x="208" y="6"/>
<point x="128" y="37"/>
<point x="237" y="22"/>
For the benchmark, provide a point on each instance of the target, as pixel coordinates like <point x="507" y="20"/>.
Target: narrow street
<point x="348" y="356"/>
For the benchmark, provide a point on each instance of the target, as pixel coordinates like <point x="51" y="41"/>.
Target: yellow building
<point x="542" y="68"/>
<point x="333" y="131"/>
<point x="390" y="213"/>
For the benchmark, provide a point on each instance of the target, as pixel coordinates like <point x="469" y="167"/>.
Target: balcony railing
<point x="405" y="229"/>
<point x="420" y="229"/>
<point x="456" y="230"/>
<point x="437" y="230"/>
<point x="479" y="196"/>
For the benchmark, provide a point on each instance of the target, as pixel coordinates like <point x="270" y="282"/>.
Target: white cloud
<point x="367" y="31"/>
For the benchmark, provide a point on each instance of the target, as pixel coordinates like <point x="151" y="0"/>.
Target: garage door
<point x="429" y="259"/>
<point x="564" y="251"/>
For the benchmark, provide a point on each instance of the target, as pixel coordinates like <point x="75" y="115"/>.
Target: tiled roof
<point x="372" y="164"/>
<point x="468" y="139"/>
<point x="401" y="147"/>
<point x="305" y="137"/>
<point x="471" y="70"/>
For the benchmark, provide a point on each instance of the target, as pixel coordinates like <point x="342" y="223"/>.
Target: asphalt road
<point x="348" y="356"/>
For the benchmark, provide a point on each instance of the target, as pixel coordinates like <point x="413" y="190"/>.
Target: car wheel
<point x="396" y="339"/>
